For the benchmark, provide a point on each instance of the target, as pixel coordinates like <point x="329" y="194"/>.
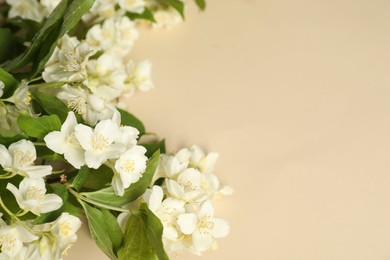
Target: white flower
<point x="64" y="229"/>
<point x="22" y="99"/>
<point x="139" y="76"/>
<point x="89" y="106"/>
<point x="27" y="9"/>
<point x="203" y="227"/>
<point x="127" y="136"/>
<point x="12" y="239"/>
<point x="116" y="35"/>
<point x="187" y="187"/>
<point x="1" y="88"/>
<point x="166" y="18"/>
<point x="129" y="167"/>
<point x="68" y="61"/>
<point x="19" y="159"/>
<point x="65" y="142"/>
<point x="106" y="78"/>
<point x="134" y="6"/>
<point x="171" y="165"/>
<point x="205" y="163"/>
<point x="102" y="9"/>
<point x="99" y="143"/>
<point x="31" y="196"/>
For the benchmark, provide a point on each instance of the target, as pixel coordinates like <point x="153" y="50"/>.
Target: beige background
<point x="295" y="97"/>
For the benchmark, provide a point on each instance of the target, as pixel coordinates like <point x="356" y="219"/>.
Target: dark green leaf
<point x="113" y="229"/>
<point x="152" y="148"/>
<point x="99" y="178"/>
<point x="40" y="126"/>
<point x="178" y="5"/>
<point x="73" y="210"/>
<point x="154" y="231"/>
<point x="5" y="43"/>
<point x="135" y="190"/>
<point x="130" y="120"/>
<point x="136" y="243"/>
<point x="47" y="154"/>
<point x="146" y="15"/>
<point x="201" y="4"/>
<point x="97" y="227"/>
<point x="61" y="191"/>
<point x="30" y="27"/>
<point x="81" y="178"/>
<point x="8" y="137"/>
<point x="10" y="83"/>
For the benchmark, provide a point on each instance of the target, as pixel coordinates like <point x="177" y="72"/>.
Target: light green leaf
<point x="146" y="15"/>
<point x="10" y="83"/>
<point x="108" y="196"/>
<point x="201" y="4"/>
<point x="97" y="227"/>
<point x="178" y="5"/>
<point x="130" y="120"/>
<point x="81" y="177"/>
<point x="136" y="243"/>
<point x="8" y="137"/>
<point x="39" y="127"/>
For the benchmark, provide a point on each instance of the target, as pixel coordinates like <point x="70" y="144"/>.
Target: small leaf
<point x="152" y="148"/>
<point x="5" y="43"/>
<point x="136" y="243"/>
<point x="61" y="191"/>
<point x="146" y="15"/>
<point x="130" y="120"/>
<point x="178" y="5"/>
<point x="10" y="83"/>
<point x="201" y="4"/>
<point x="81" y="178"/>
<point x="135" y="190"/>
<point x="113" y="229"/>
<point x="99" y="178"/>
<point x="97" y="228"/>
<point x="39" y="127"/>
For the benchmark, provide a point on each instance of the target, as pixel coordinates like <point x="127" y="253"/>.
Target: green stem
<point x="8" y="175"/>
<point x="101" y="205"/>
<point x="39" y="143"/>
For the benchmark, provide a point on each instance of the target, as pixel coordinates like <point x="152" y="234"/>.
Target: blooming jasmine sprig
<point x="67" y="150"/>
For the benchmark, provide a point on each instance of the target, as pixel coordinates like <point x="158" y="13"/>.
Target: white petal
<point x="187" y="223"/>
<point x="5" y="157"/>
<point x="26" y="183"/>
<point x="122" y="220"/>
<point x="38" y="171"/>
<point x="15" y="192"/>
<point x="175" y="189"/>
<point x="84" y="135"/>
<point x="75" y="157"/>
<point x="55" y="141"/>
<point x="94" y="160"/>
<point x="220" y="228"/>
<point x="108" y="129"/>
<point x="69" y="124"/>
<point x="117" y="185"/>
<point x="206" y="210"/>
<point x="156" y="198"/>
<point x="50" y="202"/>
<point x="202" y="242"/>
<point x="170" y="232"/>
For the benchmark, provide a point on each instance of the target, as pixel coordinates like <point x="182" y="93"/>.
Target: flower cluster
<point x="69" y="149"/>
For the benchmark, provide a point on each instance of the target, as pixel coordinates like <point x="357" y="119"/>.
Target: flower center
<point x="65" y="228"/>
<point x="99" y="142"/>
<point x="78" y="104"/>
<point x="35" y="193"/>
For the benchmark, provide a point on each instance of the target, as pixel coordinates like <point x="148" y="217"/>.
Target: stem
<point x="39" y="143"/>
<point x="8" y="175"/>
<point x="101" y="205"/>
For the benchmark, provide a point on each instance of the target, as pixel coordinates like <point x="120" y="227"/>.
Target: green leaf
<point x="146" y="15"/>
<point x="40" y="126"/>
<point x="97" y="227"/>
<point x="51" y="104"/>
<point x="152" y="148"/>
<point x="178" y="5"/>
<point x="81" y="178"/>
<point x="8" y="137"/>
<point x="64" y="17"/>
<point x="5" y="43"/>
<point x="154" y="231"/>
<point x="136" y="243"/>
<point x="99" y="178"/>
<point x="130" y="120"/>
<point x="108" y="196"/>
<point x="30" y="27"/>
<point x="47" y="154"/>
<point x="201" y="4"/>
<point x="10" y="83"/>
<point x="73" y="210"/>
<point x="113" y="229"/>
<point x="61" y="191"/>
